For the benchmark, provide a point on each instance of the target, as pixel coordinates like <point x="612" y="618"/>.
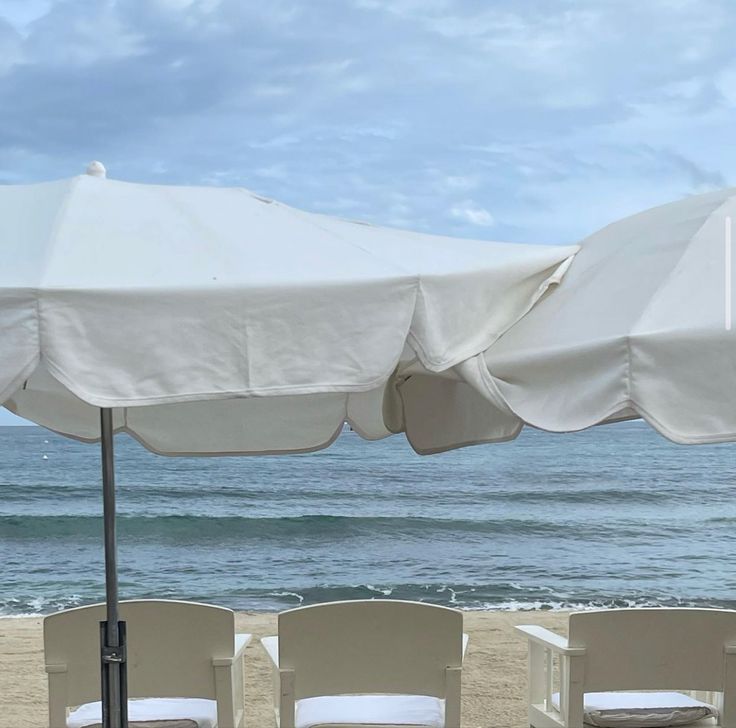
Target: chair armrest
<point x="271" y="646"/>
<point x="284" y="699"/>
<point x="465" y="643"/>
<point x="241" y="642"/>
<point x="728" y="649"/>
<point x="550" y="640"/>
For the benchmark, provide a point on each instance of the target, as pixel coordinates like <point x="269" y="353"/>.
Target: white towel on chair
<point x="408" y="710"/>
<point x="187" y="711"/>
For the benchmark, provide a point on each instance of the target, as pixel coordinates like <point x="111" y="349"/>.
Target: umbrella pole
<point x="112" y="631"/>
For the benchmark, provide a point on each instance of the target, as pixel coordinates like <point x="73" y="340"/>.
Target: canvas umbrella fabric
<point x="640" y="327"/>
<point x="214" y="321"/>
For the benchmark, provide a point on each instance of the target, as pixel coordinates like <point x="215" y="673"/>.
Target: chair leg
<point x="453" y="696"/>
<point x="287" y="699"/>
<point x="571" y="693"/>
<point x="728" y="699"/>
<point x="226" y="708"/>
<point x="57" y="696"/>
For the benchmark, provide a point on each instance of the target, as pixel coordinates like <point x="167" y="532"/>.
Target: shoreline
<point x="538" y="607"/>
<point x="494" y="673"/>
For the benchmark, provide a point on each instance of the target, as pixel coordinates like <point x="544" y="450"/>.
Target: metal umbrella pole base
<point x="114" y="683"/>
<point x="114" y="678"/>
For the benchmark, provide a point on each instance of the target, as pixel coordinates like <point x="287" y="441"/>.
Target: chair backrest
<point x="170" y="648"/>
<point x="653" y="649"/>
<point x="372" y="646"/>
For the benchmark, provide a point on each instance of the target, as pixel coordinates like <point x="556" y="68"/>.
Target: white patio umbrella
<point x="214" y="321"/>
<point x="640" y="327"/>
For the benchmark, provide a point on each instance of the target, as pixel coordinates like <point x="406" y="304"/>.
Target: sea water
<point x="615" y="515"/>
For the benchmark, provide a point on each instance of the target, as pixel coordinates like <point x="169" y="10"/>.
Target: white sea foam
<point x="298" y="596"/>
<point x="386" y="591"/>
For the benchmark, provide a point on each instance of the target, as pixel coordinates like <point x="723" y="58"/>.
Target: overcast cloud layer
<point x="527" y="120"/>
<point x="531" y="121"/>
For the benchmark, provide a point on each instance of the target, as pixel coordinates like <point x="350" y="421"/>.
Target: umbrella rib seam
<point x="676" y="264"/>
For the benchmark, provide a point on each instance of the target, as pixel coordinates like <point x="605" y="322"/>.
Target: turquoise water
<point x="614" y="515"/>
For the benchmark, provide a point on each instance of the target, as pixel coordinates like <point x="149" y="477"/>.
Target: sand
<point x="494" y="675"/>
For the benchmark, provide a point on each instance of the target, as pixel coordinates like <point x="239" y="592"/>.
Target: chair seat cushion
<point x="642" y="710"/>
<point x="161" y="712"/>
<point x="386" y="710"/>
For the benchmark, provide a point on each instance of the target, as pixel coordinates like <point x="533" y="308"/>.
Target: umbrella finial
<point x="96" y="169"/>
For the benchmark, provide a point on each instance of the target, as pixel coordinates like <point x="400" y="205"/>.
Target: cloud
<point x="469" y="211"/>
<point x="701" y="179"/>
<point x="10" y="47"/>
<point x="22" y="13"/>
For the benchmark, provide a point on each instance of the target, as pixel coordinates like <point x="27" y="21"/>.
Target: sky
<point x="524" y="120"/>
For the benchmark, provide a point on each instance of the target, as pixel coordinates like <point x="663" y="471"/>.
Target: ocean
<point x="614" y="515"/>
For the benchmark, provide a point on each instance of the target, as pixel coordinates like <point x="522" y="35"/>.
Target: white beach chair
<point x="367" y="663"/>
<point x="610" y="654"/>
<point x="185" y="662"/>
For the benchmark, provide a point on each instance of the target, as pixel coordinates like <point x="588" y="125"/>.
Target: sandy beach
<point x="494" y="679"/>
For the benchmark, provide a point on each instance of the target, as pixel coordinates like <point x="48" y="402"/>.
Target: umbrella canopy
<point x="215" y="321"/>
<point x="640" y="327"/>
